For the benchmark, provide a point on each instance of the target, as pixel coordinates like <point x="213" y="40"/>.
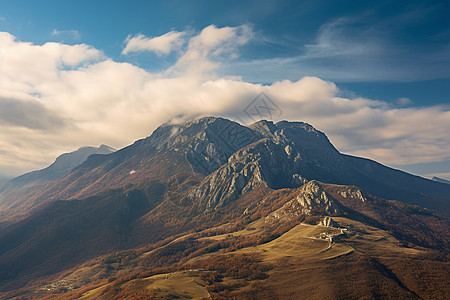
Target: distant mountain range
<point x="195" y="199"/>
<point x="19" y="188"/>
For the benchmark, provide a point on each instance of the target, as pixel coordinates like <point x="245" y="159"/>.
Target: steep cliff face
<point x="303" y="141"/>
<point x="263" y="163"/>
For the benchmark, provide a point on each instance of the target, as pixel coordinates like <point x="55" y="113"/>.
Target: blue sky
<point x="393" y="52"/>
<point x="403" y="46"/>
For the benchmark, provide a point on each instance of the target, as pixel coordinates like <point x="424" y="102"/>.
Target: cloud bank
<point x="55" y="98"/>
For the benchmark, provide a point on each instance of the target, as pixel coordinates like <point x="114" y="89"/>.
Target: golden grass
<point x="95" y="293"/>
<point x="372" y="239"/>
<point x="185" y="284"/>
<point x="302" y="241"/>
<point x="177" y="285"/>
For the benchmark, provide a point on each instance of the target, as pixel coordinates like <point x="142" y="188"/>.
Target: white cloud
<point x="205" y="49"/>
<point x="71" y="34"/>
<point x="163" y="44"/>
<point x="25" y="63"/>
<point x="87" y="99"/>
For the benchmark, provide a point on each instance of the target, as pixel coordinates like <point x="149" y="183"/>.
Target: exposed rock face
<point x="311" y="199"/>
<point x="275" y="160"/>
<point x="328" y="222"/>
<point x="263" y="163"/>
<point x="353" y="192"/>
<point x="301" y="141"/>
<point x="207" y="143"/>
<point x="248" y="168"/>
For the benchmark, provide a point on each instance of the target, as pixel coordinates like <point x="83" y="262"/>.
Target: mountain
<point x="14" y="192"/>
<point x="205" y="145"/>
<point x="212" y="208"/>
<point x="437" y="179"/>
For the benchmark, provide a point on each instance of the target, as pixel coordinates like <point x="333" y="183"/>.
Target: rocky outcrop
<point x="328" y="222"/>
<point x="227" y="184"/>
<point x="353" y="192"/>
<point x="245" y="170"/>
<point x="311" y="199"/>
<point x="302" y="140"/>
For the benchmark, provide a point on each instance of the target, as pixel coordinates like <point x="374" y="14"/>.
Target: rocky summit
<point x="215" y="209"/>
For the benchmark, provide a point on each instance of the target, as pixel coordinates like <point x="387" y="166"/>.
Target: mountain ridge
<point x="202" y="146"/>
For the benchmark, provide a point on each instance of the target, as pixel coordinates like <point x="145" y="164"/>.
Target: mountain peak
<point x="68" y="161"/>
<point x="105" y="148"/>
<point x="295" y="124"/>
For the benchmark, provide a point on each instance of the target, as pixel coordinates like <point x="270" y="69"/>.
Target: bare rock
<point x="328" y="222"/>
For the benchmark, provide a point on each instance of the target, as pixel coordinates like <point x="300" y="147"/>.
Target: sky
<point x="373" y="75"/>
